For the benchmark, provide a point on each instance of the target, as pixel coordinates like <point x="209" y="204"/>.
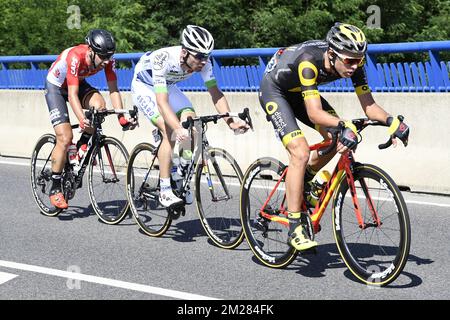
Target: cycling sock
<point x="84" y="139"/>
<point x="164" y="184"/>
<point x="56" y="180"/>
<point x="294" y="220"/>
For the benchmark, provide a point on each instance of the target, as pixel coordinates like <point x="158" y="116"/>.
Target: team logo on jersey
<point x="73" y="66"/>
<point x="56" y="73"/>
<point x="160" y="60"/>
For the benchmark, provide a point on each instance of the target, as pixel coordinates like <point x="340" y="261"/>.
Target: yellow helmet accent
<point x="346" y="38"/>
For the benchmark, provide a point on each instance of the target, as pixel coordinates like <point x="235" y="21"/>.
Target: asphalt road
<point x="74" y="256"/>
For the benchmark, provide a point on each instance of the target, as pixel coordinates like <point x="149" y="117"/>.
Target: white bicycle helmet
<point x="197" y="39"/>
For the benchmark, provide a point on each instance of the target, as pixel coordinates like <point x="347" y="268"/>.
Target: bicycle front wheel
<point x="107" y="180"/>
<point x="217" y="182"/>
<point x="143" y="191"/>
<point x="263" y="213"/>
<point x="41" y="174"/>
<point x="374" y="252"/>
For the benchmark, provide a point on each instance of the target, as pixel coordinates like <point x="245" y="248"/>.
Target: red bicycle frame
<point x="344" y="165"/>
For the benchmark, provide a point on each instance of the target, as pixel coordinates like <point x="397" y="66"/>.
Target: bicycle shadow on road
<point x="314" y="265"/>
<point x="185" y="230"/>
<point x="77" y="212"/>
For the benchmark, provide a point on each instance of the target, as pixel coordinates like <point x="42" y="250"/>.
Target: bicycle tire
<point x="380" y="263"/>
<point x="152" y="218"/>
<point x="218" y="215"/>
<point x="107" y="190"/>
<point x="41" y="180"/>
<point x="267" y="239"/>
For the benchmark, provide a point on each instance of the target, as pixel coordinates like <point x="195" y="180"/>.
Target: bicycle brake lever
<point x="385" y="145"/>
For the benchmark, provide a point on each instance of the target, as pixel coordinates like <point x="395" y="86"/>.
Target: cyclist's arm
<point x="220" y="102"/>
<point x="307" y="73"/>
<point x="317" y="115"/>
<point x="372" y="110"/>
<point x="73" y="64"/>
<point x="75" y="103"/>
<point x="111" y="78"/>
<point x="114" y="93"/>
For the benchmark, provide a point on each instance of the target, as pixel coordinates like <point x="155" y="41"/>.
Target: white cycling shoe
<point x="167" y="199"/>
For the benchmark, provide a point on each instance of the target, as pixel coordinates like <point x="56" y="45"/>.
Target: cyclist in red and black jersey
<point x="289" y="91"/>
<point x="66" y="83"/>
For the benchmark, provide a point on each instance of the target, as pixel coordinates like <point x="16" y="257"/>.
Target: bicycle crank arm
<point x="217" y="199"/>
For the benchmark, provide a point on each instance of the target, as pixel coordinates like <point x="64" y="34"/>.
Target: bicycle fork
<point x="351" y="183"/>
<point x="206" y="171"/>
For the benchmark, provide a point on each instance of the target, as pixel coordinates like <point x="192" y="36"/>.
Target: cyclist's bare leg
<point x="315" y="162"/>
<point x="298" y="151"/>
<point x="64" y="136"/>
<point x="188" y="144"/>
<point x="166" y="148"/>
<point x="298" y="158"/>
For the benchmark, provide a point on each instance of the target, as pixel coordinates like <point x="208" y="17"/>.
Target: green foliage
<point x="41" y="26"/>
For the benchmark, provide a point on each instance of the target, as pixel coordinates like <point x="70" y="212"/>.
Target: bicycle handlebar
<point x="360" y="124"/>
<point x="89" y="114"/>
<point x="245" y="115"/>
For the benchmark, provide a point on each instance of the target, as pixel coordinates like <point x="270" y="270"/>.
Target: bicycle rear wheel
<point x="41" y="174"/>
<point x="266" y="236"/>
<point x="217" y="184"/>
<point x="143" y="191"/>
<point x="107" y="180"/>
<point x="375" y="254"/>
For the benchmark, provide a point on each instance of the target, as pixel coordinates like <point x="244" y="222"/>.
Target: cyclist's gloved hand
<point x="125" y="123"/>
<point x="398" y="129"/>
<point x="348" y="135"/>
<point x="239" y="127"/>
<point x="85" y="124"/>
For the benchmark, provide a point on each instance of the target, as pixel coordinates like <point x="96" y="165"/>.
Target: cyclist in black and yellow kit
<point x="288" y="91"/>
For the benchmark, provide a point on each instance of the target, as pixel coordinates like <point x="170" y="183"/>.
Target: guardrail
<point x="429" y="76"/>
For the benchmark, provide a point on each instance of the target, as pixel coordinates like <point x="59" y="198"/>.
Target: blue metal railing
<point x="429" y="76"/>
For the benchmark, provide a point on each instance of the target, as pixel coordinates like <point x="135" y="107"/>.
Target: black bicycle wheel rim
<point x="272" y="250"/>
<point x="151" y="217"/>
<point x="107" y="181"/>
<point x="220" y="217"/>
<point x="41" y="178"/>
<point x="375" y="255"/>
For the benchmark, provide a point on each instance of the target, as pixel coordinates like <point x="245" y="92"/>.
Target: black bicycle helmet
<point x="345" y="38"/>
<point x="101" y="42"/>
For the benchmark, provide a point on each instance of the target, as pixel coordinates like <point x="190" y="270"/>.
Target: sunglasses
<point x="348" y="60"/>
<point x="199" y="55"/>
<point x="105" y="57"/>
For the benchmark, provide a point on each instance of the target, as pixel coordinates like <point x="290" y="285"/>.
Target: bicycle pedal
<point x="176" y="210"/>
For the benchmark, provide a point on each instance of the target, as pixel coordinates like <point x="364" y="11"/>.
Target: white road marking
<point x="5" y="277"/>
<point x="104" y="281"/>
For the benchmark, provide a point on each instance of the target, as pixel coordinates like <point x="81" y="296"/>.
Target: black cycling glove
<point x="348" y="135"/>
<point x="399" y="129"/>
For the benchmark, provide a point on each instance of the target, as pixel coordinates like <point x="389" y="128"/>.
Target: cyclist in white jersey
<point x="155" y="93"/>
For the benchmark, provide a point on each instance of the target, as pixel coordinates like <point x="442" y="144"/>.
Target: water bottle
<point x="176" y="178"/>
<point x="82" y="152"/>
<point x="72" y="154"/>
<point x="317" y="186"/>
<point x="185" y="160"/>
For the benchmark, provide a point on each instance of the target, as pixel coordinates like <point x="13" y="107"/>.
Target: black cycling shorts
<point x="57" y="99"/>
<point x="282" y="108"/>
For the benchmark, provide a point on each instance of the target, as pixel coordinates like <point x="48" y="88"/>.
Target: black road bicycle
<point x="106" y="159"/>
<point x="217" y="185"/>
